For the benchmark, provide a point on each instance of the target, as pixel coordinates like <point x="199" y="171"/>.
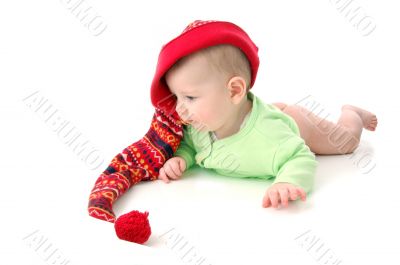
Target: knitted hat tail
<point x="139" y="161"/>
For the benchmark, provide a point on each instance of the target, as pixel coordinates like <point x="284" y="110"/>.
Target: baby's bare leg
<point x="328" y="138"/>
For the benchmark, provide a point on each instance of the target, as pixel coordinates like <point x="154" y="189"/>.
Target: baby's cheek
<point x="210" y="117"/>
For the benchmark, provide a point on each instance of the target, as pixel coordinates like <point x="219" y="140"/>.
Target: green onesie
<point x="268" y="145"/>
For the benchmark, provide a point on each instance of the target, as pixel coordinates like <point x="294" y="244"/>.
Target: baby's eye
<point x="190" y="98"/>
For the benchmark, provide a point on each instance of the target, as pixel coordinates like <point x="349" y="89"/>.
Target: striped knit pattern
<point x="141" y="160"/>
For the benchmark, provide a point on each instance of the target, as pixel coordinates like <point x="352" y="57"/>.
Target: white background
<point x="100" y="84"/>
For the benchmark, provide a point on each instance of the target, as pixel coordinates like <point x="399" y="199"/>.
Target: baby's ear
<point x="237" y="89"/>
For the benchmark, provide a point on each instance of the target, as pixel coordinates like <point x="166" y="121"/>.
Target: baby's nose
<point x="182" y="111"/>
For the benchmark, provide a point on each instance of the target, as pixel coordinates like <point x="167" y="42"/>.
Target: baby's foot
<point x="370" y="121"/>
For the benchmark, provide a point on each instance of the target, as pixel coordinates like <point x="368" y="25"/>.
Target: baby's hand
<point x="281" y="192"/>
<point x="173" y="169"/>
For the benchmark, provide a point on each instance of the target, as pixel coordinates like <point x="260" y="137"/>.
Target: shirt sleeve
<point x="295" y="163"/>
<point x="186" y="149"/>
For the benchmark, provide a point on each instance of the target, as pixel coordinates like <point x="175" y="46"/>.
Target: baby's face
<point x="202" y="97"/>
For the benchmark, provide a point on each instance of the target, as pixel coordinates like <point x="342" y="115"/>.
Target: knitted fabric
<point x="140" y="161"/>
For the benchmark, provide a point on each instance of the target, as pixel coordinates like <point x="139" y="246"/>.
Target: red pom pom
<point x="133" y="227"/>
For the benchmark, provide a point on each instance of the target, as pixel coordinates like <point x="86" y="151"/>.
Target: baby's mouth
<point x="186" y="122"/>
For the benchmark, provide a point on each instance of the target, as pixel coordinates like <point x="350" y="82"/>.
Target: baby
<point x="229" y="129"/>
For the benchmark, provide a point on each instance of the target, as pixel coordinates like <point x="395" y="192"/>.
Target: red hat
<point x="196" y="36"/>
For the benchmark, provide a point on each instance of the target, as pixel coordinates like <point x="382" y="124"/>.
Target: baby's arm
<point x="295" y="166"/>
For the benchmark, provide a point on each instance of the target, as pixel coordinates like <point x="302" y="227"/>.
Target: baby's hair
<point x="227" y="59"/>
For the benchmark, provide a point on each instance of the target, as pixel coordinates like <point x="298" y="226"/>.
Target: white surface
<point x="101" y="86"/>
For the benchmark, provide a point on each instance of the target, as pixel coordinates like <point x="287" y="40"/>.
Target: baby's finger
<point x="273" y="196"/>
<point x="293" y="193"/>
<point x="302" y="194"/>
<point x="266" y="201"/>
<point x="283" y="193"/>
<point x="170" y="171"/>
<point x="182" y="165"/>
<point x="163" y="176"/>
